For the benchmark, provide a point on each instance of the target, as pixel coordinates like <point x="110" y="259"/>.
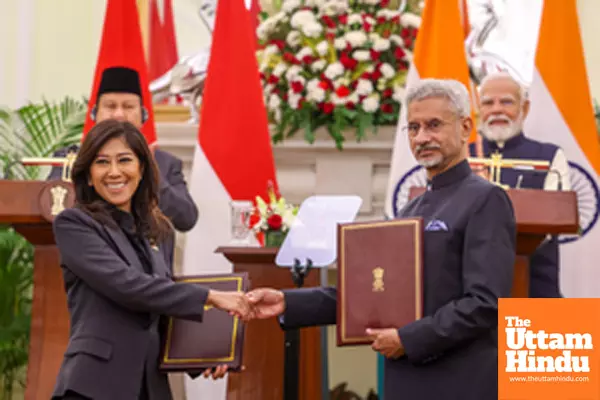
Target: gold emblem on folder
<point x="378" y="279"/>
<point x="59" y="194"/>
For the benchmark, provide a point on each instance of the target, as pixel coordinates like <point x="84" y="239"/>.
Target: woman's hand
<point x="235" y="303"/>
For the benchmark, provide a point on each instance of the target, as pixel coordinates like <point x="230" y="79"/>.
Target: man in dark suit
<point x="470" y="243"/>
<point x="504" y="105"/>
<point x="120" y="97"/>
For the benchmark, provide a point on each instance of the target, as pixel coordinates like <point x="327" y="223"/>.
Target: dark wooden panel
<point x="263" y="347"/>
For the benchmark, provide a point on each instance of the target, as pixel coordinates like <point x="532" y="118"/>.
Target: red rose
<point x="328" y="108"/>
<point x="275" y="222"/>
<point x="342" y="91"/>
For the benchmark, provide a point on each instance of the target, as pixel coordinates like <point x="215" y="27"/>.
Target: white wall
<point x="49" y="47"/>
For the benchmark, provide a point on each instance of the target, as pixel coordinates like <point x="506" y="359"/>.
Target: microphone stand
<point x="291" y="366"/>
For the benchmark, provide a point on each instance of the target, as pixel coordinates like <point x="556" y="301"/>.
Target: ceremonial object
<point x="66" y="163"/>
<point x="495" y="164"/>
<point x="380" y="277"/>
<point x="191" y="346"/>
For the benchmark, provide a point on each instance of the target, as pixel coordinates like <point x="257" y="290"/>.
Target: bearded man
<point x="503" y="105"/>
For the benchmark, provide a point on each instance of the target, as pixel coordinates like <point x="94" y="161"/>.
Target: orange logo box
<point x="547" y="349"/>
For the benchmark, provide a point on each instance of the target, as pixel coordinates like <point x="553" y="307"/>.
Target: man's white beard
<point x="500" y="134"/>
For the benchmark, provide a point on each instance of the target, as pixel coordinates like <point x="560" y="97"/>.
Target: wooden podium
<point x="28" y="206"/>
<point x="263" y="347"/>
<point x="538" y="213"/>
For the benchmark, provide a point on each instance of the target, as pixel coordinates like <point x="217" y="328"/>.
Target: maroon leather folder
<point x="190" y="346"/>
<point x="380" y="272"/>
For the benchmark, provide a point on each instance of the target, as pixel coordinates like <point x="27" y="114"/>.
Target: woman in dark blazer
<point x="117" y="282"/>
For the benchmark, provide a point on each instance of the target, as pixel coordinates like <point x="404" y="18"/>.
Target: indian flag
<point x="562" y="113"/>
<point x="439" y="53"/>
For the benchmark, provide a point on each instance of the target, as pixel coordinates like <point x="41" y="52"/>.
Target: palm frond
<point x="38" y="130"/>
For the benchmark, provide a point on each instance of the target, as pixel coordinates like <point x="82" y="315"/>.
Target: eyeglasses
<point x="432" y="126"/>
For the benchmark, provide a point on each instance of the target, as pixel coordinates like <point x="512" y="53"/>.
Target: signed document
<point x="380" y="277"/>
<point x="190" y="346"/>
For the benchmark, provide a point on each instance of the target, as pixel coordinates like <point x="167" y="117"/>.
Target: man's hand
<point x="233" y="302"/>
<point x="265" y="303"/>
<point x="386" y="342"/>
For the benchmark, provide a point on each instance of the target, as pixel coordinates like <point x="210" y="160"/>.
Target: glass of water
<point x="241" y="210"/>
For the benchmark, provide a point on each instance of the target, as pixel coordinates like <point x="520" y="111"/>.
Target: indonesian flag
<point x="157" y="57"/>
<point x="561" y="113"/>
<point x="233" y="159"/>
<point x="170" y="37"/>
<point x="121" y="46"/>
<point x="439" y="53"/>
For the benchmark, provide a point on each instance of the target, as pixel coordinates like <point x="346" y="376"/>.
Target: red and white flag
<point x="233" y="159"/>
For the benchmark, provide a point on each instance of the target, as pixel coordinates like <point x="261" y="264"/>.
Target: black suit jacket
<point x="452" y="352"/>
<point x="115" y="307"/>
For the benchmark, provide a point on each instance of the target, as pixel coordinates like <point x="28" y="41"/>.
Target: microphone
<point x="532" y="169"/>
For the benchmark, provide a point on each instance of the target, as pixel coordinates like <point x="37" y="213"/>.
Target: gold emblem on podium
<point x="59" y="195"/>
<point x="378" y="279"/>
<point x="495" y="164"/>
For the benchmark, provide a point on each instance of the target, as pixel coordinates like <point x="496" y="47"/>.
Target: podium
<point x="29" y="206"/>
<point x="538" y="213"/>
<point x="263" y="347"/>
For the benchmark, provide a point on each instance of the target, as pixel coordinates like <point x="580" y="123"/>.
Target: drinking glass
<point x="241" y="210"/>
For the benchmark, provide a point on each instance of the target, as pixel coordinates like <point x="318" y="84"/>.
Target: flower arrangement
<point x="271" y="221"/>
<point x="334" y="63"/>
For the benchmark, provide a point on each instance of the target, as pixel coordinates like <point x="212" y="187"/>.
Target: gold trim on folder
<point x="167" y="359"/>
<point x="342" y="270"/>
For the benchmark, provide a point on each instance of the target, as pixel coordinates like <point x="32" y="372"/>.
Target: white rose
<point x="294" y="100"/>
<point x="398" y="94"/>
<point x="312" y="29"/>
<point x="370" y="104"/>
<point x="312" y="84"/>
<point x="340" y="43"/>
<point x="323" y="47"/>
<point x="292" y="72"/>
<point x="397" y="40"/>
<point x="305" y="51"/>
<point x="316" y="95"/>
<point x="364" y="87"/>
<point x="271" y="50"/>
<point x="293" y="38"/>
<point x="354" y="19"/>
<point x="381" y="44"/>
<point x="301" y="18"/>
<point x="334" y="70"/>
<point x="289" y="6"/>
<point x="387" y="70"/>
<point x="356" y="38"/>
<point x="318" y="65"/>
<point x="274" y="102"/>
<point x="277" y="114"/>
<point x="361" y="55"/>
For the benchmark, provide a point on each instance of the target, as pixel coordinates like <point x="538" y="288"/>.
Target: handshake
<point x="257" y="304"/>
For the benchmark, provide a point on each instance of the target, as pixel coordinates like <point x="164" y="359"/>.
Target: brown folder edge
<point x="342" y="338"/>
<point x="170" y="361"/>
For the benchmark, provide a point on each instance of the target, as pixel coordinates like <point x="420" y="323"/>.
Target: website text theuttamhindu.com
<point x="549" y="379"/>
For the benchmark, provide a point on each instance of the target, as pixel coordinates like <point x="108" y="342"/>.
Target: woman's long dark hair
<point x="150" y="221"/>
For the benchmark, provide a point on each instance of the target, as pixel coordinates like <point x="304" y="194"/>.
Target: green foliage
<point x="38" y="130"/>
<point x="16" y="274"/>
